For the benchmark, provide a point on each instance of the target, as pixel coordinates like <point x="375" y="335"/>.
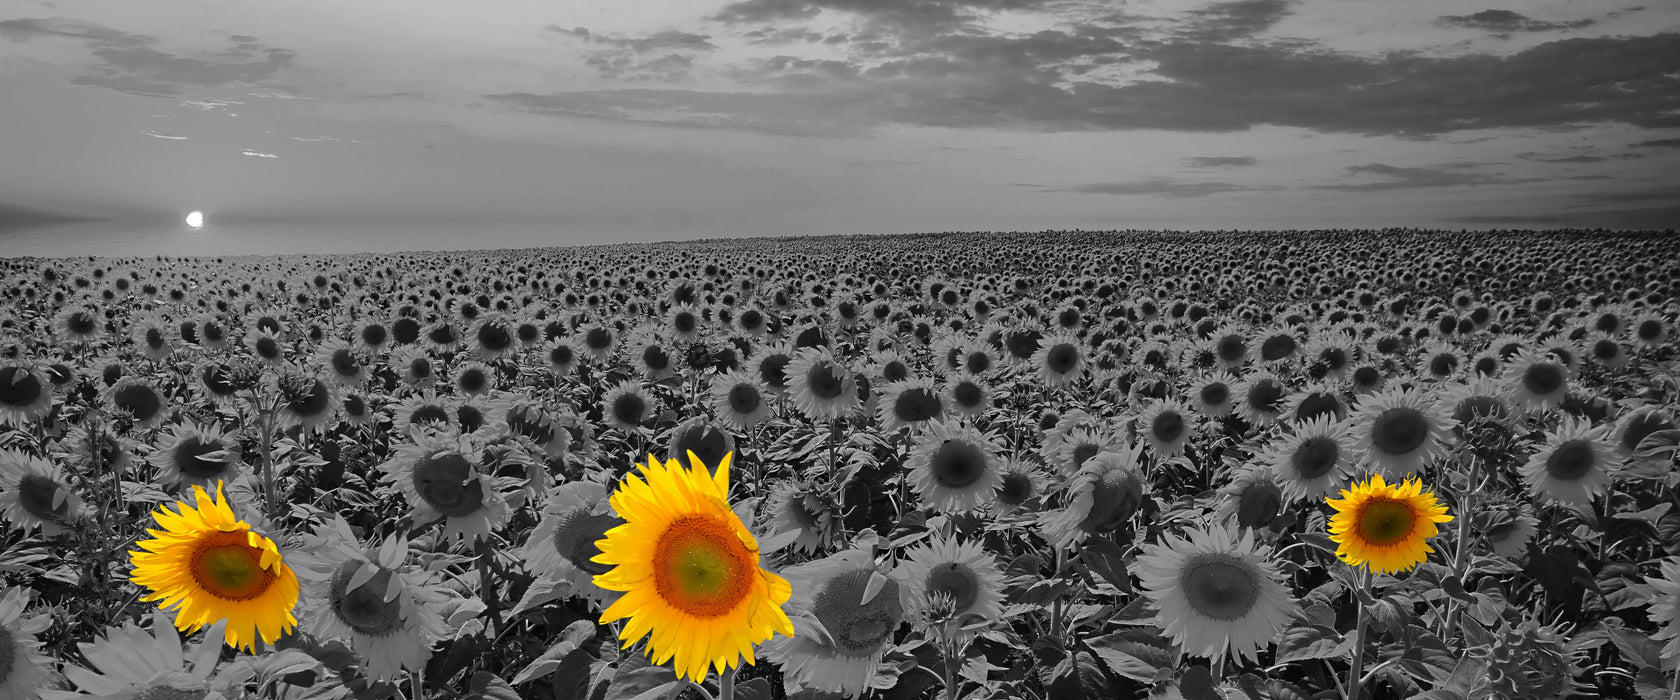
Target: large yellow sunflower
<point x="212" y="567"/>
<point x="689" y="570"/>
<point x="1383" y="527"/>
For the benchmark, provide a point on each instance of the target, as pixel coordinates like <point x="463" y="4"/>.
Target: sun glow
<point x="195" y="219"/>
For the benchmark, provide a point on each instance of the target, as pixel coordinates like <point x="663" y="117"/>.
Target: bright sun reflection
<point x="195" y="219"/>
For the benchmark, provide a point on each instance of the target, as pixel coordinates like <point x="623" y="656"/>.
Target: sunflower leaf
<point x="571" y="640"/>
<point x="363" y="574"/>
<point x="779" y="541"/>
<point x="1304" y="642"/>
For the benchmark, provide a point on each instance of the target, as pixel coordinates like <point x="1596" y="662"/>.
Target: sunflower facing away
<point x="689" y="570"/>
<point x="1216" y="592"/>
<point x="1384" y="527"/>
<point x="212" y="566"/>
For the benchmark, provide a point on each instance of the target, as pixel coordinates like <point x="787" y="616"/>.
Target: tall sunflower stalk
<point x="1381" y="528"/>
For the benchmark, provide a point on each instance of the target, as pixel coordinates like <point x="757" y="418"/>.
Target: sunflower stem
<point x="726" y="683"/>
<point x="1461" y="546"/>
<point x="487" y="588"/>
<point x="1358" y="653"/>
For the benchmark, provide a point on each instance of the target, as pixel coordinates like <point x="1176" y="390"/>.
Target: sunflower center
<point x="442" y="335"/>
<point x="598" y="338"/>
<point x="577" y="533"/>
<point x="1015" y="488"/>
<point x="1542" y="378"/>
<point x="1167" y="427"/>
<point x="374" y="335"/>
<point x="655" y="358"/>
<point x="1384" y="522"/>
<point x="139" y="400"/>
<point x="1474" y="407"/>
<point x="1334" y="358"/>
<point x="684" y="322"/>
<point x="473" y="381"/>
<point x="18" y="387"/>
<point x="957" y="464"/>
<point x="706" y="442"/>
<point x="825" y="380"/>
<point x="1215" y="394"/>
<point x="1231" y="348"/>
<point x="494" y="337"/>
<point x="1366" y="377"/>
<point x="1315" y="456"/>
<point x="470" y="418"/>
<point x="1219" y="586"/>
<point x="1062" y="358"/>
<point x="979" y="362"/>
<point x="81" y="323"/>
<point x="1265" y="395"/>
<point x="365" y="609"/>
<point x="1606" y="349"/>
<point x="956" y="580"/>
<point x="968" y="394"/>
<point x="894" y="371"/>
<point x="1400" y="430"/>
<point x="344" y="362"/>
<point x="190" y="460"/>
<point x="744" y="398"/>
<point x="560" y="355"/>
<point x="773" y="370"/>
<point x="420" y="368"/>
<point x="628" y="408"/>
<point x="441" y="482"/>
<point x="36" y="493"/>
<point x="917" y="404"/>
<point x="311" y="402"/>
<point x="1318" y="404"/>
<point x="859" y="630"/>
<point x="701" y="567"/>
<point x="1113" y="498"/>
<point x="267" y="348"/>
<point x="1571" y="460"/>
<point x="218" y="379"/>
<point x="1277" y="347"/>
<point x="154" y="339"/>
<point x="1443" y="364"/>
<point x="225" y="565"/>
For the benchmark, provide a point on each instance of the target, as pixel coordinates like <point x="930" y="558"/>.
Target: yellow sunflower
<point x="212" y="566"/>
<point x="689" y="570"/>
<point x="1384" y="527"/>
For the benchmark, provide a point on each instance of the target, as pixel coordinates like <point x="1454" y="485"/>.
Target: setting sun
<point x="195" y="219"/>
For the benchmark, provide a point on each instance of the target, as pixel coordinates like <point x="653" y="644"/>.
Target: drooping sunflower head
<point x="209" y="566"/>
<point x="1385" y="527"/>
<point x="689" y="570"/>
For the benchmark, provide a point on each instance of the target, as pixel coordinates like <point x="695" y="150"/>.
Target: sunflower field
<point x="1262" y="466"/>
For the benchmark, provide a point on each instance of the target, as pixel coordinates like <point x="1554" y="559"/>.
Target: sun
<point x="195" y="219"/>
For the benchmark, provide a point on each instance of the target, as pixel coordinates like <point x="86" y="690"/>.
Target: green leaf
<point x="1636" y="647"/>
<point x="1304" y="642"/>
<point x="1105" y="558"/>
<point x="571" y="639"/>
<point x="488" y="686"/>
<point x="1125" y="657"/>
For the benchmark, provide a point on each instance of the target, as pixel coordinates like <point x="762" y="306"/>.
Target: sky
<point x="701" y="118"/>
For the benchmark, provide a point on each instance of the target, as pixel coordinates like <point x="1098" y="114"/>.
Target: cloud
<point x="1538" y="158"/>
<point x="1502" y="23"/>
<point x="1658" y="143"/>
<point x="14" y="216"/>
<point x="897" y="17"/>
<point x="1229" y="21"/>
<point x="788" y="35"/>
<point x="157" y="135"/>
<point x="133" y="64"/>
<point x="1160" y="186"/>
<point x="259" y="154"/>
<point x="1219" y="161"/>
<point x="627" y="57"/>
<point x="1032" y="83"/>
<point x="1399" y="178"/>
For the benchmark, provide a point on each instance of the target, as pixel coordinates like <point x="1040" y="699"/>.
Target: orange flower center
<point x="1384" y="522"/>
<point x="228" y="567"/>
<point x="701" y="568"/>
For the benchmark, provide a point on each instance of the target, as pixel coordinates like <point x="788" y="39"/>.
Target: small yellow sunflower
<point x="689" y="570"/>
<point x="1384" y="527"/>
<point x="212" y="566"/>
